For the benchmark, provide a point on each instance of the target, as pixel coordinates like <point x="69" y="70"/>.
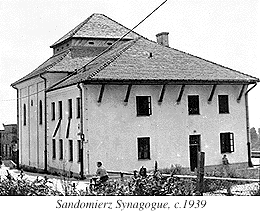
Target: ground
<point x="58" y="182"/>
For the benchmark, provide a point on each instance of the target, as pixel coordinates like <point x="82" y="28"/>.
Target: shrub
<point x="151" y="185"/>
<point x="21" y="186"/>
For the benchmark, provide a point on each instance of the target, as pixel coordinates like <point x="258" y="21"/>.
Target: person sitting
<point x="101" y="173"/>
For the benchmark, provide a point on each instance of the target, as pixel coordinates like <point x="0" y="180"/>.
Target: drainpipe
<point x="81" y="134"/>
<point x="45" y="124"/>
<point x="17" y="115"/>
<point x="248" y="127"/>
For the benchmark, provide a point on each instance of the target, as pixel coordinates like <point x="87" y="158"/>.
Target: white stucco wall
<point x="113" y="127"/>
<point x="56" y="96"/>
<point x="32" y="135"/>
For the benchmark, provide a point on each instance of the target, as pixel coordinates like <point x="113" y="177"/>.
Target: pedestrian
<point x="225" y="164"/>
<point x="143" y="172"/>
<point x="1" y="162"/>
<point x="101" y="173"/>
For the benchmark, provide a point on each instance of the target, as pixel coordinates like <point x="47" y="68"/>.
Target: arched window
<point x="24" y="114"/>
<point x="40" y="112"/>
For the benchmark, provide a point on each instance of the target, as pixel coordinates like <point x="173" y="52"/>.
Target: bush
<point x="24" y="187"/>
<point x="151" y="185"/>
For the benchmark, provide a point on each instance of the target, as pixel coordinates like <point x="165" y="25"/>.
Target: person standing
<point x="101" y="173"/>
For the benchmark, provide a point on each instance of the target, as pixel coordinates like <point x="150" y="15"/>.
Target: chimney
<point x="162" y="39"/>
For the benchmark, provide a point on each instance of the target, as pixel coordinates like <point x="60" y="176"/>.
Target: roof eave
<point x="158" y="82"/>
<point x="165" y="81"/>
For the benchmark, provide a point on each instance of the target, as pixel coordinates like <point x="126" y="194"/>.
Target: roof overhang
<point x="160" y="82"/>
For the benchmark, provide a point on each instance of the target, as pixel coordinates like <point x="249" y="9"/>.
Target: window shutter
<point x="149" y="106"/>
<point x="231" y="136"/>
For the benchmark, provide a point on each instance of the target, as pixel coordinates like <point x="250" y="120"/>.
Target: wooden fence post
<point x="200" y="173"/>
<point x="155" y="166"/>
<point x="122" y="176"/>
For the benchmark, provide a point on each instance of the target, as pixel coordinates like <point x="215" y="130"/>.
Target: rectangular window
<point x="61" y="149"/>
<point x="70" y="108"/>
<point x="227" y="142"/>
<point x="193" y="104"/>
<point x="53" y="148"/>
<point x="60" y="109"/>
<point x="78" y="107"/>
<point x="79" y="150"/>
<point x="70" y="150"/>
<point x="24" y="114"/>
<point x="223" y="104"/>
<point x="143" y="148"/>
<point x="40" y="112"/>
<point x="143" y="105"/>
<point x="53" y="111"/>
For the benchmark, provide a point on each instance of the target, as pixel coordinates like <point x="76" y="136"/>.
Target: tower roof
<point x="97" y="26"/>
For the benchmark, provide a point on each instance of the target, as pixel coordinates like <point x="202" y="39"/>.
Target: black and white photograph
<point x="130" y="98"/>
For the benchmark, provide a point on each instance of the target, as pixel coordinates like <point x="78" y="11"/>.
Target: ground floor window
<point x="61" y="149"/>
<point x="70" y="150"/>
<point x="227" y="142"/>
<point x="143" y="144"/>
<point x="53" y="148"/>
<point x="79" y="150"/>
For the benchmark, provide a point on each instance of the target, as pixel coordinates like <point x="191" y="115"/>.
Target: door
<point x="194" y="150"/>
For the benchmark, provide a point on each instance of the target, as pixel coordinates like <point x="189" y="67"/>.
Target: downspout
<point x="45" y="124"/>
<point x="81" y="134"/>
<point x="248" y="127"/>
<point x="17" y="109"/>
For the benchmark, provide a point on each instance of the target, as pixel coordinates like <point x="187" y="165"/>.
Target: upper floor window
<point x="193" y="104"/>
<point x="53" y="111"/>
<point x="143" y="147"/>
<point x="223" y="104"/>
<point x="143" y="105"/>
<point x="40" y="112"/>
<point x="60" y="109"/>
<point x="78" y="104"/>
<point x="70" y="108"/>
<point x="226" y="142"/>
<point x="24" y="114"/>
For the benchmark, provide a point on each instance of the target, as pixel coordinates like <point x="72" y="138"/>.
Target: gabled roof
<point x="61" y="63"/>
<point x="145" y="60"/>
<point x="97" y="26"/>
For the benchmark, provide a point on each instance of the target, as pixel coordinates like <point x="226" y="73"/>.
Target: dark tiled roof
<point x="145" y="60"/>
<point x="63" y="62"/>
<point x="98" y="26"/>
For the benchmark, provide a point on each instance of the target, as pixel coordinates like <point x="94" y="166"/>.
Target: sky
<point x="223" y="31"/>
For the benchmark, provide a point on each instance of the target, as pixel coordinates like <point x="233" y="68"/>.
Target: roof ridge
<point x="113" y="57"/>
<point x="63" y="55"/>
<point x="139" y="35"/>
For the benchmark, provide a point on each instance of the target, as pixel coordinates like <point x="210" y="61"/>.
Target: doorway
<point x="194" y="143"/>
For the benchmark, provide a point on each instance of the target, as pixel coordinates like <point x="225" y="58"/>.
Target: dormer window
<point x="109" y="43"/>
<point x="91" y="43"/>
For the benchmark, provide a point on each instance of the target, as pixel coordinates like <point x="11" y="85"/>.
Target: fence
<point x="209" y="185"/>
